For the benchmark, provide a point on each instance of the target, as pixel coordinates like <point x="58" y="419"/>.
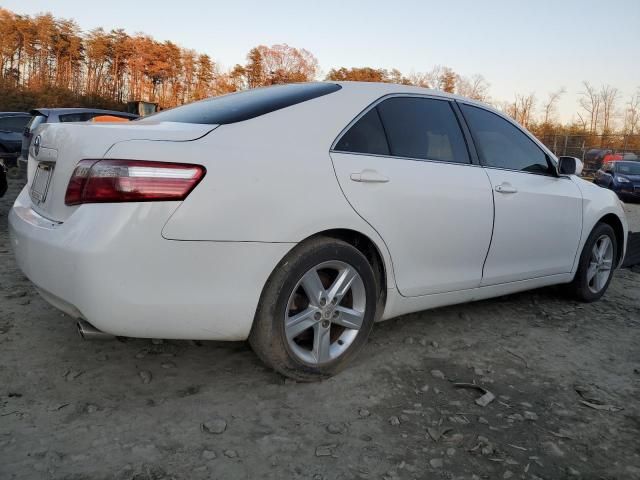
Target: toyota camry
<point x="296" y="216"/>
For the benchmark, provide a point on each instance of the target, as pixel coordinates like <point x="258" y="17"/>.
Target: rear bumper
<point x="109" y="265"/>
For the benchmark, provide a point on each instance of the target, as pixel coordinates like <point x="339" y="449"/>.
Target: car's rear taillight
<point x="104" y="181"/>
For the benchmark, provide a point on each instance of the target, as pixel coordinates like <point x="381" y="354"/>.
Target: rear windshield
<point x="14" y="123"/>
<point x="241" y="106"/>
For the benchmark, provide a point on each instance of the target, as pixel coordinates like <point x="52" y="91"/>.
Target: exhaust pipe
<point x="89" y="332"/>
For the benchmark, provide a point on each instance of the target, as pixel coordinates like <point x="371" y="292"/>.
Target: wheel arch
<point x="615" y="223"/>
<point x="381" y="265"/>
<point x="365" y="245"/>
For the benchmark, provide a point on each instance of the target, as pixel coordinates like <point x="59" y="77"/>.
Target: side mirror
<point x="569" y="166"/>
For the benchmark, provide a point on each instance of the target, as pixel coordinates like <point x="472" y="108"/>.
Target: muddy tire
<point x="316" y="310"/>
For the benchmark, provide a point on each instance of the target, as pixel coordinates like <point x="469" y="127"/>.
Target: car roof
<point x="15" y="114"/>
<point x="379" y="89"/>
<point x="61" y="111"/>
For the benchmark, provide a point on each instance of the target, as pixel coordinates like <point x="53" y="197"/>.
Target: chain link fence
<point x="593" y="149"/>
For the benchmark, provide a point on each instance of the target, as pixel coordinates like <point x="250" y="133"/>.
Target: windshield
<point x="628" y="168"/>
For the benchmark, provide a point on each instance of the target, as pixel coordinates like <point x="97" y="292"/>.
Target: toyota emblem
<point x="36" y="145"/>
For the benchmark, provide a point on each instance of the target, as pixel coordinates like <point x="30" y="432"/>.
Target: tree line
<point x="48" y="61"/>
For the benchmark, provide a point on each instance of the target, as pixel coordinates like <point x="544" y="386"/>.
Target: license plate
<point x="40" y="184"/>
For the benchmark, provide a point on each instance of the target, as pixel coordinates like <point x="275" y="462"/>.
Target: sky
<point x="518" y="46"/>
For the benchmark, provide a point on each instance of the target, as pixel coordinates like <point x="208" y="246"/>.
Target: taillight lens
<point x="103" y="181"/>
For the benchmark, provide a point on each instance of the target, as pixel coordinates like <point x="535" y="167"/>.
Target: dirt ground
<point x="566" y="377"/>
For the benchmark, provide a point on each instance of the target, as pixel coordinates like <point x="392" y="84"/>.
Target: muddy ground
<point x="566" y="377"/>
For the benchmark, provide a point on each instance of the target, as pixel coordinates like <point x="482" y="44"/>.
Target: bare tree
<point x="582" y="122"/>
<point x="420" y="79"/>
<point x="475" y="87"/>
<point x="590" y="101"/>
<point x="549" y="106"/>
<point x="522" y="108"/>
<point x="632" y="114"/>
<point x="608" y="98"/>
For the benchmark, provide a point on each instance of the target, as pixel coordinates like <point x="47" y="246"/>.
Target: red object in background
<point x="611" y="157"/>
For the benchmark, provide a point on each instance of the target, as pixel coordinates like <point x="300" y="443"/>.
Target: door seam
<point x="493" y="225"/>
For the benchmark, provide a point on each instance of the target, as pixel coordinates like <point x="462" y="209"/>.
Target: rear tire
<point x="597" y="263"/>
<point x="316" y="310"/>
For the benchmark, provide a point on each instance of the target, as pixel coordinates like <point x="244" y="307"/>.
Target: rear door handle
<point x="369" y="176"/>
<point x="506" y="188"/>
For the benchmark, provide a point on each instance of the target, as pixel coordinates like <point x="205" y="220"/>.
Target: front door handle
<point x="506" y="187"/>
<point x="369" y="176"/>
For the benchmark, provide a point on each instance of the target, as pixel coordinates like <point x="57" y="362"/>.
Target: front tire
<point x="597" y="263"/>
<point x="316" y="310"/>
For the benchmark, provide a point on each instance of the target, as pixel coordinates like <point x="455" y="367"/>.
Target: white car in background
<point x="297" y="215"/>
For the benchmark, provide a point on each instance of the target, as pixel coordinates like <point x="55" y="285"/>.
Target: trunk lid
<point x="57" y="148"/>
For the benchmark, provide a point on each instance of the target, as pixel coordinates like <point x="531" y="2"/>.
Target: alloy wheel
<point x="600" y="264"/>
<point x="324" y="312"/>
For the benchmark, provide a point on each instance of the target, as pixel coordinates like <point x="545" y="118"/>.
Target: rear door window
<point x="409" y="127"/>
<point x="423" y="128"/>
<point x="241" y="106"/>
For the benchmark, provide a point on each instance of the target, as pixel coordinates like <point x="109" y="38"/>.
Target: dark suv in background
<point x="12" y="124"/>
<point x="55" y="115"/>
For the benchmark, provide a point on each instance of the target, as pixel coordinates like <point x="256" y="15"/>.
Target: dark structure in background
<point x="142" y="108"/>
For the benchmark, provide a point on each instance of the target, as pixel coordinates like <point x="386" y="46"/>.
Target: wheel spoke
<point x="321" y="343"/>
<point x="300" y="322"/>
<point x="313" y="287"/>
<point x="591" y="271"/>
<point x="349" y="318"/>
<point x="341" y="285"/>
<point x="605" y="242"/>
<point x="595" y="253"/>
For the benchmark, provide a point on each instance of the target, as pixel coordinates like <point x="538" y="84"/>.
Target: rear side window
<point x="14" y="123"/>
<point x="365" y="136"/>
<point x="237" y="107"/>
<point x="501" y="144"/>
<point x="423" y="128"/>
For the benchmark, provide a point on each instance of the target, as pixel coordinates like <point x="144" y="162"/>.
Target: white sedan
<point x="298" y="215"/>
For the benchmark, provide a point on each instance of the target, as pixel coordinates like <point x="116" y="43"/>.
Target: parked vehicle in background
<point x="594" y="157"/>
<point x="298" y="215"/>
<point x="621" y="176"/>
<point x="61" y="115"/>
<point x="12" y="125"/>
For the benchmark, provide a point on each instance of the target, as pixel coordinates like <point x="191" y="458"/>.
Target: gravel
<point x="108" y="422"/>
